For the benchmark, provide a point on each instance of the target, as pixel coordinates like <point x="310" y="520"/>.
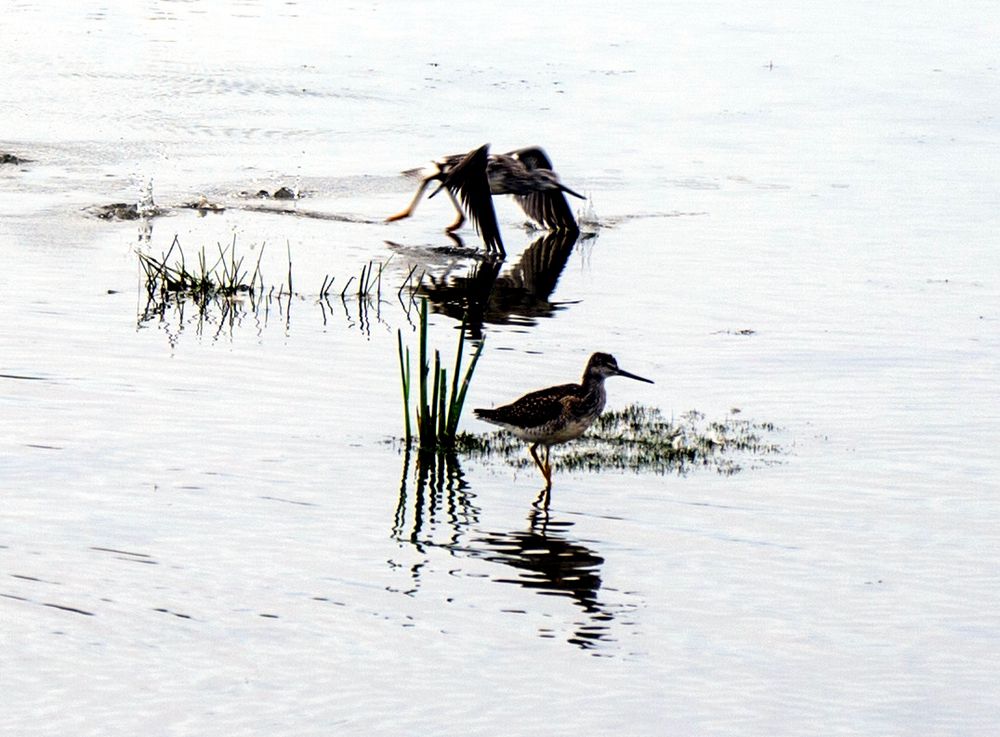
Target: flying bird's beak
<point x="440" y="187"/>
<point x="627" y="375"/>
<point x="567" y="190"/>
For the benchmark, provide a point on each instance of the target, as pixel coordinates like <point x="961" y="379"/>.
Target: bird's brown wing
<point x="548" y="207"/>
<point x="468" y="180"/>
<point x="532" y="410"/>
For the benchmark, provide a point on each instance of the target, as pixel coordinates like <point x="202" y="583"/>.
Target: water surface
<point x="207" y="526"/>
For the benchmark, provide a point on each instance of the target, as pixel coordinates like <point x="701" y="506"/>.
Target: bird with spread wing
<point x="472" y="179"/>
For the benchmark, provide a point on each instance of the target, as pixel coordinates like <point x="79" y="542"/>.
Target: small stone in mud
<point x="117" y="211"/>
<point x="282" y="193"/>
<point x="124" y="211"/>
<point x="203" y="204"/>
<point x="6" y="158"/>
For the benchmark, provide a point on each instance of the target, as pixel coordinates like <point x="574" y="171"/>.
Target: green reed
<point x="439" y="406"/>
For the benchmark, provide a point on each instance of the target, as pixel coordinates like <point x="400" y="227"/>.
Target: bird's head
<point x="603" y="365"/>
<point x="546" y="179"/>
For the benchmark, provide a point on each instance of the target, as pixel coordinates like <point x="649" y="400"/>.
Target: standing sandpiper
<point x="559" y="413"/>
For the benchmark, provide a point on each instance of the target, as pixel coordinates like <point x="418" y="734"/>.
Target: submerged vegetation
<point x="640" y="438"/>
<point x="438" y="409"/>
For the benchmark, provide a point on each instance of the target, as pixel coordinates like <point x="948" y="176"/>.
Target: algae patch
<point x="641" y="439"/>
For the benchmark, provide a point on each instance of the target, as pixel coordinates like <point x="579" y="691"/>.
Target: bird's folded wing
<point x="538" y="408"/>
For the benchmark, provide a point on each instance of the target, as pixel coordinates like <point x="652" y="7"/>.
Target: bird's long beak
<point x="567" y="190"/>
<point x="440" y="187"/>
<point x="627" y="375"/>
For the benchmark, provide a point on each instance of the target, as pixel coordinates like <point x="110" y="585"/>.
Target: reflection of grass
<point x="437" y="410"/>
<point x="640" y="438"/>
<point x="435" y="509"/>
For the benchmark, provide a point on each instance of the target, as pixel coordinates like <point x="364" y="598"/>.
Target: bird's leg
<point x="534" y="457"/>
<point x="416" y="198"/>
<point x="456" y="238"/>
<point x="546" y="467"/>
<point x="542" y="502"/>
<point x="460" y="220"/>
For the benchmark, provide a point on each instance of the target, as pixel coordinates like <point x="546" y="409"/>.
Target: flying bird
<point x="476" y="176"/>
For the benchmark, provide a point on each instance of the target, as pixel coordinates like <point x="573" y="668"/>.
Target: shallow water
<point x="207" y="526"/>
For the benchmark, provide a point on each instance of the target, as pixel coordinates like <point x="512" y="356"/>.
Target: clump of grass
<point x="640" y="438"/>
<point x="225" y="278"/>
<point x="220" y="286"/>
<point x="438" y="410"/>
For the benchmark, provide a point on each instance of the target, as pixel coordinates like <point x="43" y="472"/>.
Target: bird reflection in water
<point x="547" y="561"/>
<point x="518" y="296"/>
<point x="438" y="512"/>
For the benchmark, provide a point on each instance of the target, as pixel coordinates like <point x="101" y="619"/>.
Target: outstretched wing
<point x="548" y="207"/>
<point x="468" y="180"/>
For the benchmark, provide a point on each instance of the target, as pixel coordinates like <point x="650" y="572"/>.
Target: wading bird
<point x="560" y="413"/>
<point x="478" y="175"/>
